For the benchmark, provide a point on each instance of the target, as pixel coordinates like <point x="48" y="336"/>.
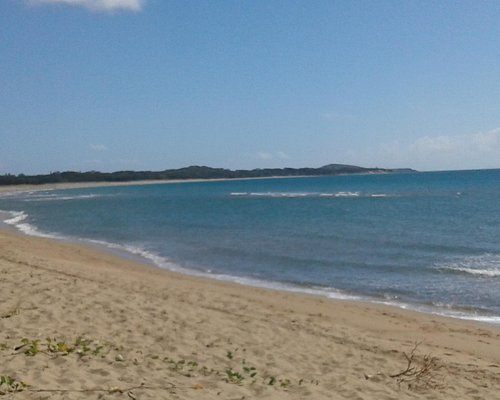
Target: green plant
<point x="52" y="346"/>
<point x="284" y="383"/>
<point x="184" y="367"/>
<point x="251" y="371"/>
<point x="32" y="347"/>
<point x="9" y="385"/>
<point x="233" y="376"/>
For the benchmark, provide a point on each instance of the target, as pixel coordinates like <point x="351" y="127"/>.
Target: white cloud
<point x="98" y="147"/>
<point x="282" y="155"/>
<point x="264" y="156"/>
<point x="481" y="142"/>
<point x="429" y="144"/>
<point x="468" y="151"/>
<point x="97" y="5"/>
<point x="279" y="155"/>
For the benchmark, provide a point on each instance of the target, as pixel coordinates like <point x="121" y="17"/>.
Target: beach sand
<point x="83" y="185"/>
<point x="78" y="323"/>
<point x="6" y="189"/>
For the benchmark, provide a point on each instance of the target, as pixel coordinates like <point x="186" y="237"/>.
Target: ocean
<point x="423" y="241"/>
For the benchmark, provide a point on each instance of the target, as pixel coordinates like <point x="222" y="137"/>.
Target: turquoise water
<point x="427" y="241"/>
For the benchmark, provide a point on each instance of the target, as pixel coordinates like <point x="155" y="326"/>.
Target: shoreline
<point x="149" y="320"/>
<point x="159" y="262"/>
<point x="84" y="185"/>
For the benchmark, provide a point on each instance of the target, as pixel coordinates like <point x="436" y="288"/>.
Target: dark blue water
<point x="429" y="241"/>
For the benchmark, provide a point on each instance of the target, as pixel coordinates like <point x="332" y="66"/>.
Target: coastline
<point x="141" y="255"/>
<point x="84" y="185"/>
<point x="161" y="333"/>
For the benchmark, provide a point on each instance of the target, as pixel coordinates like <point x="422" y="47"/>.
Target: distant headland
<point x="192" y="172"/>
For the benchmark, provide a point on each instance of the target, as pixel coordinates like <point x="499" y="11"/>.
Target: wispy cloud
<point x="480" y="142"/>
<point x="282" y="155"/>
<point x="98" y="147"/>
<point x="97" y="5"/>
<point x="262" y="155"/>
<point x="466" y="151"/>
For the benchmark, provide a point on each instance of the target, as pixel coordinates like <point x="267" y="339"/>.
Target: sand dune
<point x="76" y="323"/>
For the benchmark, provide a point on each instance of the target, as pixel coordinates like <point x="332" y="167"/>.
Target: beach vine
<point x="9" y="384"/>
<point x="51" y="346"/>
<point x="236" y="370"/>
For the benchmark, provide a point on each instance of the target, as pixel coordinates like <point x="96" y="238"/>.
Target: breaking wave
<point x="17" y="219"/>
<point x="341" y="194"/>
<point x="54" y="197"/>
<point x="486" y="265"/>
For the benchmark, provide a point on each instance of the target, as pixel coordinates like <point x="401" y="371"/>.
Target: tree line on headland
<point x="192" y="172"/>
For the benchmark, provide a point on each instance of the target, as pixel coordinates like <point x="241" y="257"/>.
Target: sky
<point x="156" y="84"/>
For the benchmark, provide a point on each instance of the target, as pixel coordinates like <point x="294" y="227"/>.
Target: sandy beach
<point x="82" y="185"/>
<point x="77" y="323"/>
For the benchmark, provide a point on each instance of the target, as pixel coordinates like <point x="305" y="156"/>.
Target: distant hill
<point x="192" y="172"/>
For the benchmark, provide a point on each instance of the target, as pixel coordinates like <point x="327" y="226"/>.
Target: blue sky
<point x="154" y="84"/>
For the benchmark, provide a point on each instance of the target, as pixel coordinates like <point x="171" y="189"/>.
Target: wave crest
<point x="341" y="194"/>
<point x="17" y="220"/>
<point x="54" y="197"/>
<point x="486" y="265"/>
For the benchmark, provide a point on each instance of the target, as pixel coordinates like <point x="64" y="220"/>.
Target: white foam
<point x="165" y="263"/>
<point x="443" y="311"/>
<point x="17" y="221"/>
<point x="487" y="265"/>
<point x="490" y="263"/>
<point x="299" y="194"/>
<point x="480" y="272"/>
<point x="17" y="216"/>
<point x="156" y="259"/>
<point x="62" y="198"/>
<point x="347" y="194"/>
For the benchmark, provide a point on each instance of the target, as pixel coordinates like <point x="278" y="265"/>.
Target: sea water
<point x="426" y="241"/>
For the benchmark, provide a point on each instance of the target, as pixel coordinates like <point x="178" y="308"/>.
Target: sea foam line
<point x="165" y="263"/>
<point x="61" y="198"/>
<point x="327" y="291"/>
<point x="473" y="271"/>
<point x="17" y="218"/>
<point x="306" y="194"/>
<point x="442" y="311"/>
<point x="487" y="265"/>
